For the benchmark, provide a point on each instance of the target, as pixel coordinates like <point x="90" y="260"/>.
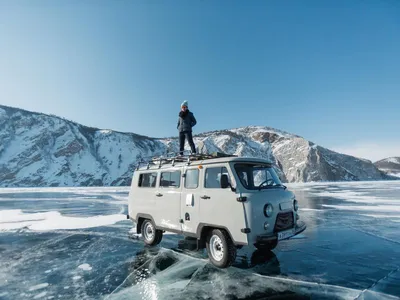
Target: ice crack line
<point x="376" y="282"/>
<point x="127" y="277"/>
<point x="195" y="274"/>
<point x="375" y="235"/>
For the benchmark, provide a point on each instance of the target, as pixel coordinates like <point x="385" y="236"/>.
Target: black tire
<point x="221" y="257"/>
<point x="150" y="234"/>
<point x="268" y="246"/>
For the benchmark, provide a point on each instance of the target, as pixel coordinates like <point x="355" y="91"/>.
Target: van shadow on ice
<point x="264" y="261"/>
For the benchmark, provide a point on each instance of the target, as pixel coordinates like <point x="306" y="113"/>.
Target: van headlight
<point x="268" y="210"/>
<point x="295" y="205"/>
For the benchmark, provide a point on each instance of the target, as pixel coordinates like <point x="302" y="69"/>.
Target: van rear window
<point x="147" y="180"/>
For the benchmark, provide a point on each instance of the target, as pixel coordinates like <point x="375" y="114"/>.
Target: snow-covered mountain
<point x="390" y="166"/>
<point x="45" y="150"/>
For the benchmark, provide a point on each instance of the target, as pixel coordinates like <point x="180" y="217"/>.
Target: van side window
<point x="213" y="175"/>
<point x="192" y="179"/>
<point x="147" y="180"/>
<point x="170" y="179"/>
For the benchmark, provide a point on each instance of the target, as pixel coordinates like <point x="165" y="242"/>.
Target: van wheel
<point x="220" y="248"/>
<point x="150" y="234"/>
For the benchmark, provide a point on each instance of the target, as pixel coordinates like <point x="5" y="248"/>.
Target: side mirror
<point x="224" y="181"/>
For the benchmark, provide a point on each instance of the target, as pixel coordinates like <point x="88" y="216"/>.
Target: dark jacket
<point x="185" y="123"/>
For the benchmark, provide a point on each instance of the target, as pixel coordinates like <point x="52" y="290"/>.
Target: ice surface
<point x="66" y="244"/>
<point x="52" y="220"/>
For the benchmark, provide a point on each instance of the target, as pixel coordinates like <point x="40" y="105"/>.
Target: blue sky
<point x="325" y="70"/>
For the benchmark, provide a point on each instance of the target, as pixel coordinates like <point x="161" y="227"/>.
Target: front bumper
<point x="265" y="239"/>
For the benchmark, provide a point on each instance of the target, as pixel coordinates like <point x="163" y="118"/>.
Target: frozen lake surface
<point x="72" y="243"/>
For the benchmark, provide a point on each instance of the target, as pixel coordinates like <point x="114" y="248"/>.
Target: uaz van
<point x="223" y="201"/>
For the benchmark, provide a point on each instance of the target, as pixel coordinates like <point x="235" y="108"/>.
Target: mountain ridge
<point x="39" y="149"/>
<point x="389" y="166"/>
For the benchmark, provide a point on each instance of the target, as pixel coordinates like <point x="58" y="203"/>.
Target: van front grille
<point x="284" y="221"/>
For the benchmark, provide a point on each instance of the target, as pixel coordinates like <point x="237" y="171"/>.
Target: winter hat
<point x="185" y="103"/>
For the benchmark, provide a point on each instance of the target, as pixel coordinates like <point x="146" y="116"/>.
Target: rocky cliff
<point x="45" y="150"/>
<point x="390" y="166"/>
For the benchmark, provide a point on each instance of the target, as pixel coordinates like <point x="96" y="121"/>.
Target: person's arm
<point x="194" y="122"/>
<point x="177" y="126"/>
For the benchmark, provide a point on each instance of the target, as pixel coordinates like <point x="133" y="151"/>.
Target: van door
<point x="168" y="200"/>
<point x="190" y="200"/>
<point x="218" y="206"/>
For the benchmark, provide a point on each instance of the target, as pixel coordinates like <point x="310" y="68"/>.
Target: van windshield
<point x="257" y="176"/>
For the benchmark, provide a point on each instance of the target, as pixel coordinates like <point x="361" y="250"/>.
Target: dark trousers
<point x="186" y="135"/>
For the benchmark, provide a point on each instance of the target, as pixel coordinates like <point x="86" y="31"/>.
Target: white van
<point x="223" y="201"/>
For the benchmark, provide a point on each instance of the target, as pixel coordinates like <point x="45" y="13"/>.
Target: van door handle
<point x="159" y="195"/>
<point x="205" y="197"/>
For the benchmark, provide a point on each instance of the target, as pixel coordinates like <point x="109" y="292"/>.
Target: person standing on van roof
<point x="186" y="122"/>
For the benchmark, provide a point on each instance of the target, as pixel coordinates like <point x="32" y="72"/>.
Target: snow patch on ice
<point x="357" y="197"/>
<point x="392" y="184"/>
<point x="310" y="209"/>
<point x="52" y="220"/>
<point x="85" y="267"/>
<point x="41" y="295"/>
<point x="76" y="277"/>
<point x="375" y="208"/>
<point x="76" y="190"/>
<point x="38" y="287"/>
<point x="381" y="216"/>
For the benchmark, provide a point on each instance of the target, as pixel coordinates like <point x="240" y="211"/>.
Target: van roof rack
<point x="172" y="157"/>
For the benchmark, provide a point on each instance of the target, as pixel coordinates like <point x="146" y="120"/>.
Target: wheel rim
<point x="148" y="231"/>
<point x="216" y="248"/>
